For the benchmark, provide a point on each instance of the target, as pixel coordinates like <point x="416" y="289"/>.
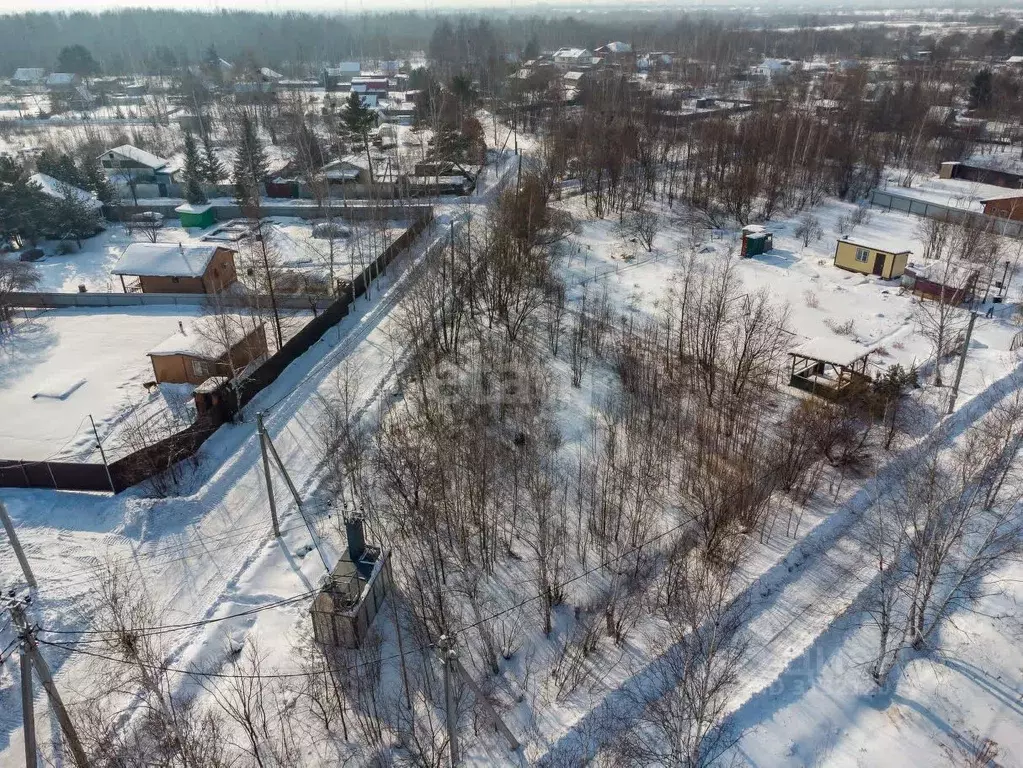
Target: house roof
<point x="56" y="189"/>
<point x="831" y="349"/>
<point x="617" y="47"/>
<point x="1014" y="60"/>
<point x="571" y="53"/>
<point x="60" y="78"/>
<point x="29" y="73"/>
<point x="350" y="67"/>
<point x="873" y="245"/>
<point x="139" y="156"/>
<point x="203" y="337"/>
<point x="1013" y="195"/>
<point x="270" y="74"/>
<point x="165" y="260"/>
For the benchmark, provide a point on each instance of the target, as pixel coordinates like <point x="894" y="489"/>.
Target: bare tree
<point x="14" y="276"/>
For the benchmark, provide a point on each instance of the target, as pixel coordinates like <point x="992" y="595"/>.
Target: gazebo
<point x="826" y="367"/>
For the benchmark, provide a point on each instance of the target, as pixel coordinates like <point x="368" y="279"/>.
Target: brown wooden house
<point x="176" y="268"/>
<point x="1008" y="206"/>
<point x="198" y="351"/>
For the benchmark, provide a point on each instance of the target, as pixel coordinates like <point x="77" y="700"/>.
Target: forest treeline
<point x="153" y="41"/>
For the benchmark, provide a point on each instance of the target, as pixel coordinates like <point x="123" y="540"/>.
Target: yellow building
<point x="857" y="256"/>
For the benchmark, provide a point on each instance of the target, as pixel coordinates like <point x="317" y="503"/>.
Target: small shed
<point x="944" y="281"/>
<point x="176" y="268"/>
<point x="199" y="351"/>
<point x="870" y="258"/>
<point x="346" y="606"/>
<point x="199" y="216"/>
<point x="828" y="367"/>
<point x="756" y="240"/>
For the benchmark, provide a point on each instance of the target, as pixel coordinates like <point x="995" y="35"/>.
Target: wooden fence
<point x="161" y="456"/>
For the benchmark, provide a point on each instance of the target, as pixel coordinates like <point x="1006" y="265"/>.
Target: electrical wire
<point x="165" y="628"/>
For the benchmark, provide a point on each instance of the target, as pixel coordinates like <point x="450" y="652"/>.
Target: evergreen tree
<point x="61" y="167"/>
<point x="358" y="120"/>
<point x="310" y="154"/>
<point x="213" y="169"/>
<point x="249" y="164"/>
<point x="982" y="90"/>
<point x="95" y="180"/>
<point x="71" y="217"/>
<point x="193" y="172"/>
<point x="23" y="209"/>
<point x="78" y="60"/>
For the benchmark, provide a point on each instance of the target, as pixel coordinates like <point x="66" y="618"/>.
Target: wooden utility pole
<point x="452" y="668"/>
<point x="16" y="545"/>
<point x="103" y="454"/>
<point x="28" y="712"/>
<point x="261" y="431"/>
<point x="448" y="655"/>
<point x="962" y="364"/>
<point x="30" y="649"/>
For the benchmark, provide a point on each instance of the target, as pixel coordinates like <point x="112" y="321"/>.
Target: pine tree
<point x="358" y="119"/>
<point x="193" y="172"/>
<point x="249" y="164"/>
<point x="95" y="179"/>
<point x="310" y="155"/>
<point x="982" y="90"/>
<point x="23" y="209"/>
<point x="71" y="217"/>
<point x="60" y="166"/>
<point x="213" y="169"/>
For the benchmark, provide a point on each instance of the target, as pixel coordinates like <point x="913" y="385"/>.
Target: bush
<point x="64" y="247"/>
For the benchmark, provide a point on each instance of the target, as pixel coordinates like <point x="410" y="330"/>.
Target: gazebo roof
<point x="830" y="349"/>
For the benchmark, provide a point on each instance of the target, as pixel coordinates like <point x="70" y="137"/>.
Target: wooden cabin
<point x="198" y="351"/>
<point x="176" y="268"/>
<point x="870" y="258"/>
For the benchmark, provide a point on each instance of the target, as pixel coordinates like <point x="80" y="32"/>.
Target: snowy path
<point x="790" y="605"/>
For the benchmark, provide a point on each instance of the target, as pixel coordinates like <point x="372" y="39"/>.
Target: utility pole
<point x="962" y="363"/>
<point x="453" y="667"/>
<point x="18" y="551"/>
<point x="102" y="453"/>
<point x="261" y="430"/>
<point x="30" y="649"/>
<point x="267" y="445"/>
<point x="448" y="654"/>
<point x="28" y="712"/>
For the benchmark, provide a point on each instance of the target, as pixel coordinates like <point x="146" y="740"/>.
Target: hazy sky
<point x="353" y="6"/>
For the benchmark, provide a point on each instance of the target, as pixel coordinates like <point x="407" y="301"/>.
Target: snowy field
<point x="61" y="366"/>
<point x="209" y="554"/>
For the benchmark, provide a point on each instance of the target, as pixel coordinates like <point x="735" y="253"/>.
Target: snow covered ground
<point x="59" y="367"/>
<point x="210" y="554"/>
<point x="90" y="266"/>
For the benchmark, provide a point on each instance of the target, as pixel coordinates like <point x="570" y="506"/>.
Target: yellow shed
<point x="857" y="256"/>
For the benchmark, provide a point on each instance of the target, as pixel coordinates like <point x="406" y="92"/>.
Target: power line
<point x="164" y="628"/>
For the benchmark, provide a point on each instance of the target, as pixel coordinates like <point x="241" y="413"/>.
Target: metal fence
<point x="895" y="202"/>
<point x="38" y="300"/>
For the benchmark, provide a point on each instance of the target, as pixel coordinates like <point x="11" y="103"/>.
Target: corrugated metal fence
<point x="895" y="202"/>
